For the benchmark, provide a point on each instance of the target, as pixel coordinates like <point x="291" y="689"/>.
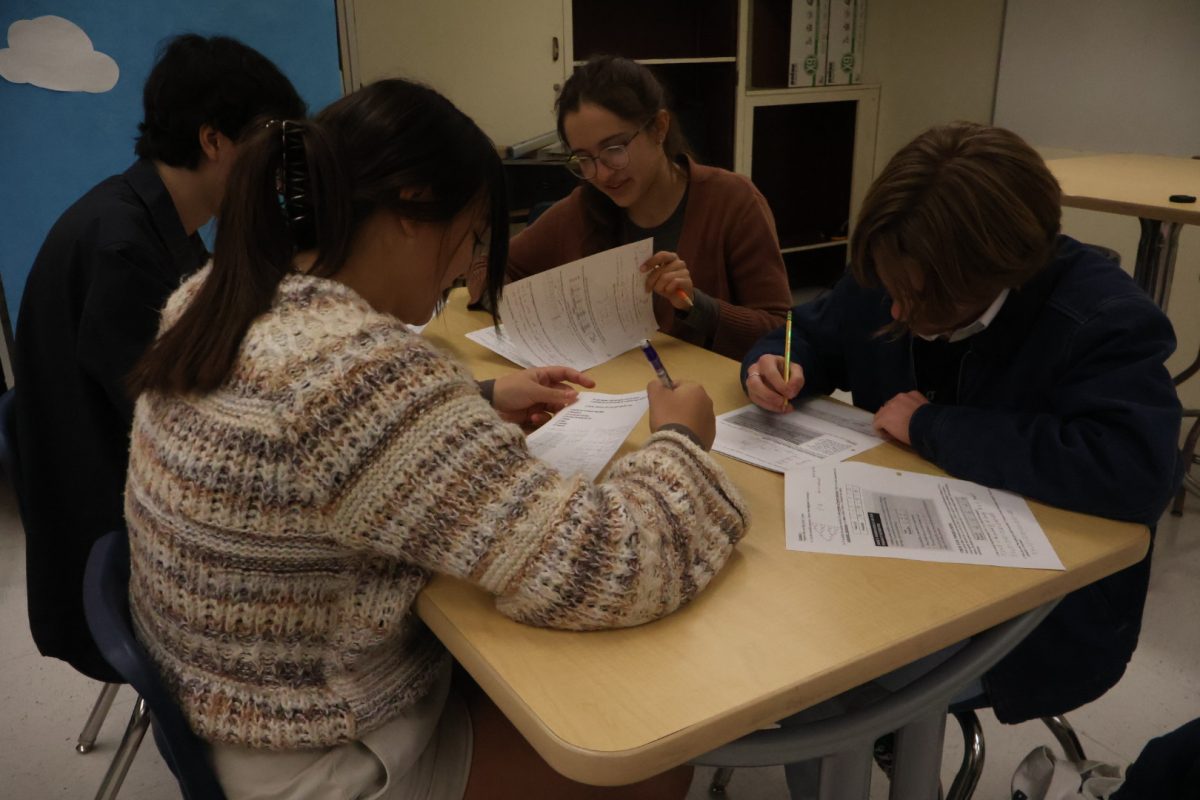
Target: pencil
<point x="787" y="349"/>
<point x="682" y="295"/>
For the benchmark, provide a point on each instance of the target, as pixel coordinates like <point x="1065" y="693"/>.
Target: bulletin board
<point x="55" y="145"/>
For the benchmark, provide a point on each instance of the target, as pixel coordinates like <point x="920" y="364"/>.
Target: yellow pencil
<point x="787" y="349"/>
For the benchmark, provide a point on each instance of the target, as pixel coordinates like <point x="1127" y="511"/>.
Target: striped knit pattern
<point x="281" y="526"/>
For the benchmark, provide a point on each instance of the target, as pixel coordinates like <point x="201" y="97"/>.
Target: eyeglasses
<point x="615" y="157"/>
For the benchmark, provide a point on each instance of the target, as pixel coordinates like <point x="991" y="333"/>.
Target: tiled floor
<point x="46" y="702"/>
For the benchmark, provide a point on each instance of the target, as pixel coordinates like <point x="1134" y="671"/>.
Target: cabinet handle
<point x="554" y="48"/>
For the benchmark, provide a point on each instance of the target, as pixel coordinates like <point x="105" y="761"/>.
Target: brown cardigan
<point x="728" y="242"/>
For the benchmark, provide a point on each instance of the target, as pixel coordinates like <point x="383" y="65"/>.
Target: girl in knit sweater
<point x="301" y="464"/>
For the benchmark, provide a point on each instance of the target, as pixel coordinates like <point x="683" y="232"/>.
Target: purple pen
<point x="652" y="357"/>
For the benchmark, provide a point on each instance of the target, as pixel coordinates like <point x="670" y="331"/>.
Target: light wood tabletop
<point x="775" y="632"/>
<point x="1131" y="184"/>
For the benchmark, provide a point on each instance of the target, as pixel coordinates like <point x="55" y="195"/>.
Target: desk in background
<point x="1138" y="186"/>
<point x="775" y="633"/>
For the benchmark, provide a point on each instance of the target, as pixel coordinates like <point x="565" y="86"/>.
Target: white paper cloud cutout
<point x="55" y="53"/>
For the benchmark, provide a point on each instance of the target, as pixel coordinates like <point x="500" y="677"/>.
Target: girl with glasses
<point x="301" y="464"/>
<point x="717" y="274"/>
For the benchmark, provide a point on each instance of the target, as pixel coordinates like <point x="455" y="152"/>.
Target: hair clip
<point x="297" y="205"/>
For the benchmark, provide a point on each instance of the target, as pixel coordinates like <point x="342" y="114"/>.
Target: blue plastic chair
<point x="106" y="605"/>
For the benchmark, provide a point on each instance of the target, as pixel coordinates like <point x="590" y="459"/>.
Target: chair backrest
<point x="106" y="606"/>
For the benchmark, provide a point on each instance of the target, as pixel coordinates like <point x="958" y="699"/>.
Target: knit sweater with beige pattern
<point x="281" y="526"/>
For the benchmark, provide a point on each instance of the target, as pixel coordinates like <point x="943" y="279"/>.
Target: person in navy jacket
<point x="1009" y="355"/>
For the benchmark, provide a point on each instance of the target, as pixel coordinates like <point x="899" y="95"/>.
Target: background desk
<point x="1138" y="186"/>
<point x="776" y="632"/>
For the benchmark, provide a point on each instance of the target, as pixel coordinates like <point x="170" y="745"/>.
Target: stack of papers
<point x="862" y="510"/>
<point x="583" y="437"/>
<point x="819" y="430"/>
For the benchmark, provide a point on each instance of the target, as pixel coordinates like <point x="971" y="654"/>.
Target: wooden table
<point x="1138" y="186"/>
<point x="775" y="632"/>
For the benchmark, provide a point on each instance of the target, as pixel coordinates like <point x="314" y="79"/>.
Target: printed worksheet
<point x="578" y="315"/>
<point x="583" y="437"/>
<point x="498" y="342"/>
<point x="819" y="430"/>
<point x="863" y="510"/>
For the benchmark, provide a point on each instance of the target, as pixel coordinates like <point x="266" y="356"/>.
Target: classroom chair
<point x="840" y="748"/>
<point x="106" y="605"/>
<point x="9" y="462"/>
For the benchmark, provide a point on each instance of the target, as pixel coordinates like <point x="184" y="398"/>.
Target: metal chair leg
<point x="1188" y="452"/>
<point x="971" y="769"/>
<point x="91" y="728"/>
<point x="720" y="780"/>
<point x="139" y="721"/>
<point x="919" y="758"/>
<point x="1066" y="737"/>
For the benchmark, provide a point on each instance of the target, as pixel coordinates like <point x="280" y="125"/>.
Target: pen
<point x="787" y="349"/>
<point x="652" y="357"/>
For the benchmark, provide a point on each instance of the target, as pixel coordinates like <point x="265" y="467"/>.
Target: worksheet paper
<point x="583" y="437"/>
<point x="863" y="510"/>
<point x="819" y="430"/>
<point x="578" y="315"/>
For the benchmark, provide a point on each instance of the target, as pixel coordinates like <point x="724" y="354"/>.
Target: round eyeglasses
<point x="615" y="157"/>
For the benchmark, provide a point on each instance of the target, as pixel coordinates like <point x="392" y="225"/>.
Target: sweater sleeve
<point x="757" y="278"/>
<point x="1109" y="444"/>
<point x="819" y="339"/>
<point x="438" y="480"/>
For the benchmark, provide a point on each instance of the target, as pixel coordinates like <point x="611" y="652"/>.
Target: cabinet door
<point x="501" y="63"/>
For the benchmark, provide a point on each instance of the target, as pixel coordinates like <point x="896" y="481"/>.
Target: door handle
<point x="554" y="48"/>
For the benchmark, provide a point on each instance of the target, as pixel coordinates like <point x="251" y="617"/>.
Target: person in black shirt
<point x="91" y="308"/>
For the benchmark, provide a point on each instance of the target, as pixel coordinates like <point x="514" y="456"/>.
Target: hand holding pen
<point x="679" y="402"/>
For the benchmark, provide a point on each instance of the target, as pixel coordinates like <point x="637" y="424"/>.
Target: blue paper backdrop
<point x="54" y="146"/>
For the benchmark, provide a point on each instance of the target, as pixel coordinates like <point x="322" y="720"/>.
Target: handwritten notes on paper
<point x="818" y="430"/>
<point x="863" y="510"/>
<point x="583" y="437"/>
<point x="579" y="315"/>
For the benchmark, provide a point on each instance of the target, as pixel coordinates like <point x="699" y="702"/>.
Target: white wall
<point x="936" y="62"/>
<point x="1103" y="75"/>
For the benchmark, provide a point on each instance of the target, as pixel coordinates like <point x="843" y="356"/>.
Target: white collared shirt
<point x="975" y="327"/>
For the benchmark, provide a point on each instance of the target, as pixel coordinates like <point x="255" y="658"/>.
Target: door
<point x="501" y="63"/>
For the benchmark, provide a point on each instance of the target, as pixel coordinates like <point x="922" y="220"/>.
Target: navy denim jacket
<point x="1064" y="398"/>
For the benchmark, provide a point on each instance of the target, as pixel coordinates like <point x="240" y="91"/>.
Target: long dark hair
<point x="629" y="90"/>
<point x="356" y="157"/>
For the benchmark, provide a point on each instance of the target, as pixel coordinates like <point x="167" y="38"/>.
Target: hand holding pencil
<point x="668" y="275"/>
<point x="773" y="381"/>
